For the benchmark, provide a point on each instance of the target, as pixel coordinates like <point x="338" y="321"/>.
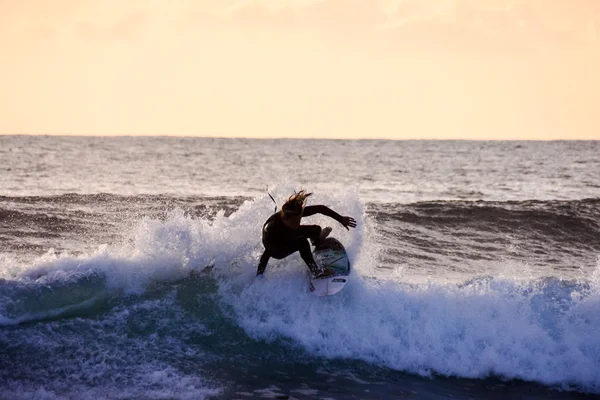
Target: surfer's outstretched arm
<point x="321" y="209"/>
<point x="264" y="259"/>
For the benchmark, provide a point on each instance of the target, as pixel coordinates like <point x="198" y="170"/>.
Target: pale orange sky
<point x="398" y="69"/>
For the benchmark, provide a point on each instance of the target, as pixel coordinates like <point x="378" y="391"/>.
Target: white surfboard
<point x="330" y="254"/>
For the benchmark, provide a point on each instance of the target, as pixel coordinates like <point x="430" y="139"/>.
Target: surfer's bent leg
<point x="301" y="245"/>
<point x="278" y="249"/>
<point x="278" y="252"/>
<point x="311" y="232"/>
<point x="307" y="256"/>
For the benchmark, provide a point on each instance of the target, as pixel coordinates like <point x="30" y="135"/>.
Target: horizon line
<point x="295" y="137"/>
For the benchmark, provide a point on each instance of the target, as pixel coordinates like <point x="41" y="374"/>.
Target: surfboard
<point x="330" y="254"/>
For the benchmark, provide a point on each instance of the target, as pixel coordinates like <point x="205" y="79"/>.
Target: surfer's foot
<point x="324" y="233"/>
<point x="314" y="269"/>
<point x="325" y="273"/>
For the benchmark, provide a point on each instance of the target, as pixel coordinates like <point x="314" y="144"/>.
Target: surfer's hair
<point x="294" y="204"/>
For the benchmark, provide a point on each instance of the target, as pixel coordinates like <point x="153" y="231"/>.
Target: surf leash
<point x="272" y="199"/>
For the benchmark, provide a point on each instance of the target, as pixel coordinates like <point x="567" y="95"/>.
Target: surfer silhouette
<point x="282" y="234"/>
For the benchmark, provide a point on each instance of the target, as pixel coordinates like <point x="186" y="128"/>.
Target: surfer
<point x="283" y="235"/>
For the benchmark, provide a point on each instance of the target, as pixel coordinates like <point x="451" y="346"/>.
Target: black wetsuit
<point x="280" y="240"/>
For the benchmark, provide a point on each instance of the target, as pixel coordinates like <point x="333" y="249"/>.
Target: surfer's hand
<point x="348" y="222"/>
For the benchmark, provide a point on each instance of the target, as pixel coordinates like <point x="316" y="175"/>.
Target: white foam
<point x="156" y="250"/>
<point x="543" y="331"/>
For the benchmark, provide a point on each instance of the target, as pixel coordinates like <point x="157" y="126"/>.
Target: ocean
<point x="127" y="270"/>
